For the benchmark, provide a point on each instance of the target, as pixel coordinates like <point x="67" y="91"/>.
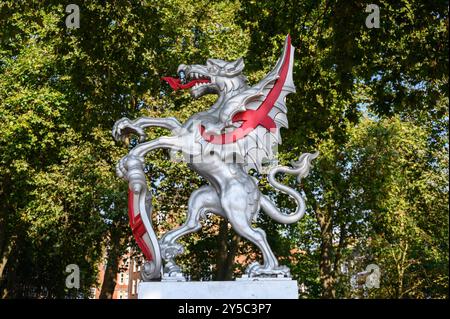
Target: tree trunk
<point x="10" y="288"/>
<point x="326" y="255"/>
<point x="112" y="267"/>
<point x="226" y="252"/>
<point x="5" y="244"/>
<point x="5" y="257"/>
<point x="109" y="278"/>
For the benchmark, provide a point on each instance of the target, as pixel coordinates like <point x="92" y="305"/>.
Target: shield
<point x="139" y="212"/>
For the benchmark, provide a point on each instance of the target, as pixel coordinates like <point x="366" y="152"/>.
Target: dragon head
<point x="215" y="77"/>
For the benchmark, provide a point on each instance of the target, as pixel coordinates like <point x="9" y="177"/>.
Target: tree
<point x="342" y="70"/>
<point x="62" y="89"/>
<point x="86" y="81"/>
<point x="49" y="174"/>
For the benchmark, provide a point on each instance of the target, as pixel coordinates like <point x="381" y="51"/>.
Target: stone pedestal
<point x="239" y="289"/>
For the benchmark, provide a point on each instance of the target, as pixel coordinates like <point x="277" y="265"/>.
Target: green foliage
<point x="374" y="102"/>
<point x="344" y="71"/>
<point x="409" y="207"/>
<point x="388" y="206"/>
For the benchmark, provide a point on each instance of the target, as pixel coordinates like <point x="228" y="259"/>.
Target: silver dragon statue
<point x="239" y="132"/>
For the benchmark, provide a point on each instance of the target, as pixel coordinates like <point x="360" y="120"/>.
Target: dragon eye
<point x="213" y="69"/>
<point x="182" y="77"/>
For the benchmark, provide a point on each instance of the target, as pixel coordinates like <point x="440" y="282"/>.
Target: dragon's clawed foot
<point x="258" y="270"/>
<point x="124" y="127"/>
<point x="171" y="268"/>
<point x="172" y="272"/>
<point x="170" y="250"/>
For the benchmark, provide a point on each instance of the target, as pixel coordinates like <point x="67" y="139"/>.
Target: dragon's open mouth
<point x="196" y="80"/>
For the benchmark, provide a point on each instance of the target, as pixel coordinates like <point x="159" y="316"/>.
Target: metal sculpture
<point x="238" y="133"/>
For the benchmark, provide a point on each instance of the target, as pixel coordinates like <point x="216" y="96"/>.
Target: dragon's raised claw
<point x="124" y="127"/>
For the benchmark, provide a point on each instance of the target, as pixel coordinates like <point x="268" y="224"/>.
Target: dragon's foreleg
<point x="170" y="123"/>
<point x="125" y="126"/>
<point x="139" y="151"/>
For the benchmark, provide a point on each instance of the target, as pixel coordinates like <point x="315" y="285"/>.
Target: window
<point x="92" y="291"/>
<point x="123" y="294"/>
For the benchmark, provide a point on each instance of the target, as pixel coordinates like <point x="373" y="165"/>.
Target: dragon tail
<point x="300" y="169"/>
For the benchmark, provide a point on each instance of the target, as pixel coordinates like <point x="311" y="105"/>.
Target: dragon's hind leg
<point x="203" y="200"/>
<point x="240" y="213"/>
<point x="258" y="237"/>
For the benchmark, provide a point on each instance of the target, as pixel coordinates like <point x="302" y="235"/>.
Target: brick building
<point x="127" y="280"/>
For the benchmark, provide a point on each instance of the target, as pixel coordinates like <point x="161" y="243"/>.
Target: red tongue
<point x="176" y="84"/>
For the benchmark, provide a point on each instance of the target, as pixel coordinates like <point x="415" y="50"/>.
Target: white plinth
<point x="241" y="289"/>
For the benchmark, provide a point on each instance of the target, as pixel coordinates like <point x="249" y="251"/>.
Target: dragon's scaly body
<point x="238" y="133"/>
